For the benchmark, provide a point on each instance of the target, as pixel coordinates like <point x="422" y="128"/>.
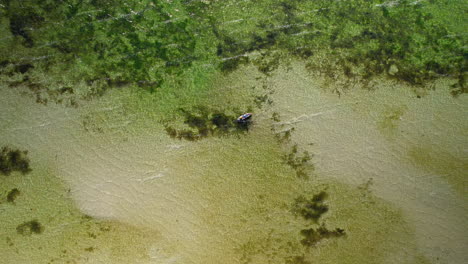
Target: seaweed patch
<point x="12" y="160"/>
<point x="313" y="236"/>
<point x="145" y="43"/>
<point x="9" y="242"/>
<point x="312" y="210"/>
<point x="89" y="249"/>
<point x="203" y="122"/>
<point x="29" y="228"/>
<point x="139" y="48"/>
<point x="300" y="163"/>
<point x="12" y="195"/>
<point x="403" y="41"/>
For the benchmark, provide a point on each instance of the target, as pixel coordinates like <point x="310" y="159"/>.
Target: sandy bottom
<point x="412" y="150"/>
<point x="391" y="163"/>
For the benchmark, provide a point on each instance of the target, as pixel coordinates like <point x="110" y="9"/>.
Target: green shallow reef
<point x="119" y="141"/>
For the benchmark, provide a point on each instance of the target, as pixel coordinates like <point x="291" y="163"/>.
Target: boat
<point x="244" y="117"/>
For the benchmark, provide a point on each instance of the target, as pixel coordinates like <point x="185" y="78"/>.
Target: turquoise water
<point x="119" y="141"/>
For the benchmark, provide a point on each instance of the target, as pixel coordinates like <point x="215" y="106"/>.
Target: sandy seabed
<point x="109" y="186"/>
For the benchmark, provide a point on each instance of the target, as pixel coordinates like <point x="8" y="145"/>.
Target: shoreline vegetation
<point x="72" y="50"/>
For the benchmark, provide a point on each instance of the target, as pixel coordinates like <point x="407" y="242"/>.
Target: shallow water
<point x="109" y="183"/>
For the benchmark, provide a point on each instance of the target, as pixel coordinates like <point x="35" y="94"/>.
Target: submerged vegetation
<point x="67" y="50"/>
<point x="300" y="163"/>
<point x="95" y="44"/>
<point x="312" y="210"/>
<point x="400" y="39"/>
<point x="12" y="195"/>
<point x="12" y="160"/>
<point x="204" y="122"/>
<point x="29" y="228"/>
<point x="313" y="236"/>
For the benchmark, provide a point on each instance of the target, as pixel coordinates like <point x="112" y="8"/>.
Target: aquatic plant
<point x="313" y="236"/>
<point x="203" y="122"/>
<point x="297" y="162"/>
<point x="116" y="41"/>
<point x="461" y="86"/>
<point x="9" y="242"/>
<point x="275" y="117"/>
<point x="98" y="45"/>
<point x="361" y="38"/>
<point x="29" y="228"/>
<point x="12" y="160"/>
<point x="261" y="100"/>
<point x="12" y="195"/>
<point x="311" y="209"/>
<point x="284" y="136"/>
<point x="90" y="249"/>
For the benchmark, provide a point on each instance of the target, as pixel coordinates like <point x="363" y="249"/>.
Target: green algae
<point x="367" y="39"/>
<point x="110" y="47"/>
<point x="93" y="46"/>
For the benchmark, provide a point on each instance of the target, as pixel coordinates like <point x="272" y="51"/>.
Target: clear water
<point x="126" y="113"/>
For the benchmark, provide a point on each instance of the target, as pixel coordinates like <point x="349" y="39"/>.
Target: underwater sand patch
<point x="351" y="144"/>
